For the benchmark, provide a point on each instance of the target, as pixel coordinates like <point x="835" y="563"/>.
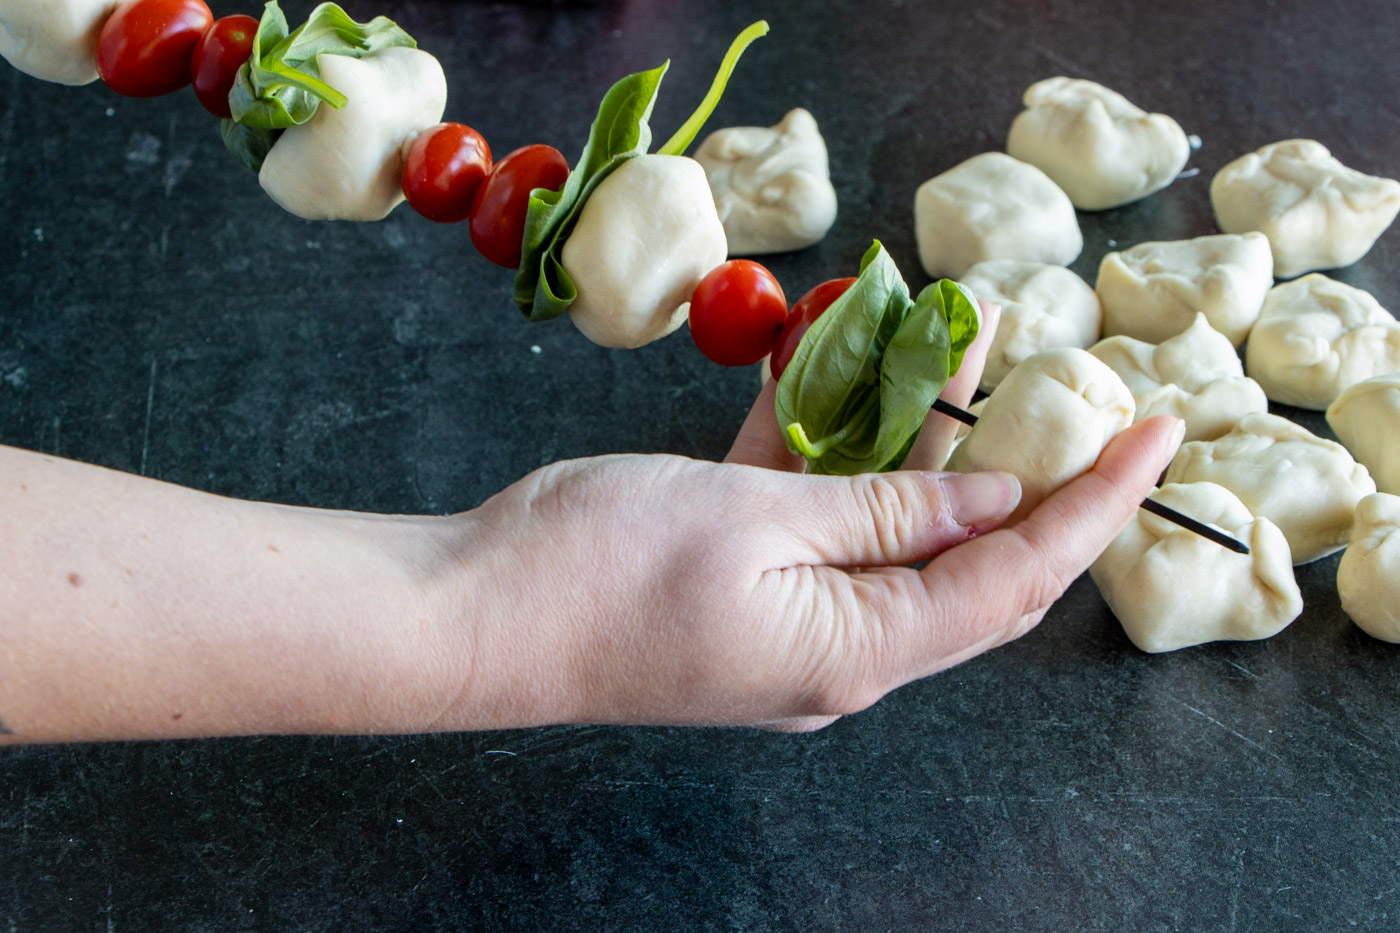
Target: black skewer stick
<point x="1156" y="508"/>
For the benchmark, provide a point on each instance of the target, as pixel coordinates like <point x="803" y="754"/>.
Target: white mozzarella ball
<point x="1281" y="471"/>
<point x="1316" y="212"/>
<point x="1171" y="588"/>
<point x="1103" y="150"/>
<point x="1366" y="419"/>
<point x="1195" y="376"/>
<point x="54" y="40"/>
<point x="1047" y="423"/>
<point x="772" y="185"/>
<point x="1155" y="290"/>
<point x="1368" y="577"/>
<point x="1317" y="336"/>
<point x="643" y="241"/>
<point x="993" y="207"/>
<point x="347" y="164"/>
<point x="1042" y="307"/>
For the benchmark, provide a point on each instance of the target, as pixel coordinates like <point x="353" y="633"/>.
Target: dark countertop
<point x="158" y="314"/>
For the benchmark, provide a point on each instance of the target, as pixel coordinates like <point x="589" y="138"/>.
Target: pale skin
<point x="624" y="589"/>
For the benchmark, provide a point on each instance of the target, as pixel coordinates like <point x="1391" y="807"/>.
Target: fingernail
<point x="978" y="498"/>
<point x="1178" y="435"/>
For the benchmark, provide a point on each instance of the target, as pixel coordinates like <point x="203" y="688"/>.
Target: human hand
<point x="654" y="589"/>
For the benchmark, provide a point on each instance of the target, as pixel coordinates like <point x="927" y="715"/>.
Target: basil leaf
<point x="280" y="85"/>
<point x="684" y="136"/>
<point x="543" y="288"/>
<point x="828" y="397"/>
<point x="249" y="144"/>
<point x="918" y="363"/>
<point x="859" y="387"/>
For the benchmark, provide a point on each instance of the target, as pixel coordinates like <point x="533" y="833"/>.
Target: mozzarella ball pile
<point x="1196" y="328"/>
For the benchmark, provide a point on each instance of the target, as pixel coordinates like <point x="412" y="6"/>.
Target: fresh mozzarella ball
<point x="772" y="185"/>
<point x="1317" y="336"/>
<point x="1366" y="419"/>
<point x="1154" y="290"/>
<point x="1171" y="588"/>
<point x="1101" y="149"/>
<point x="1368" y="578"/>
<point x="54" y="40"/>
<point x="643" y="241"/>
<point x="993" y="207"/>
<point x="1307" y="486"/>
<point x="1317" y="213"/>
<point x="1195" y="376"/>
<point x="1042" y="307"/>
<point x="347" y="164"/>
<point x="1047" y="423"/>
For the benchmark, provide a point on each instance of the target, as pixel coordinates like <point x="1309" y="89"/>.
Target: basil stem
<point x="856" y="393"/>
<point x="684" y="136"/>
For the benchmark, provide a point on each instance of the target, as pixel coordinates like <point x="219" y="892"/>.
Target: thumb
<point x="888" y="519"/>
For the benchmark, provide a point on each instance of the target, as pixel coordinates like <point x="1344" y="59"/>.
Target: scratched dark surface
<point x="159" y="315"/>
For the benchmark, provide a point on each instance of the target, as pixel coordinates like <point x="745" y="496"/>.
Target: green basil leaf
<point x="684" y="136"/>
<point x="250" y="144"/>
<point x="621" y="131"/>
<point x="918" y="363"/>
<point x="280" y="85"/>
<point x="860" y="384"/>
<point x="828" y="401"/>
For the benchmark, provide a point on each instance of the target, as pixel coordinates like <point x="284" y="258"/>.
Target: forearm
<point x="131" y="608"/>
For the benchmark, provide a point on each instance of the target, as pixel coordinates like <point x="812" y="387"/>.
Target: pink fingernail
<point x="979" y="498"/>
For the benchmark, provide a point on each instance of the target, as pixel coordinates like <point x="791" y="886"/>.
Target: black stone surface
<point x="158" y="314"/>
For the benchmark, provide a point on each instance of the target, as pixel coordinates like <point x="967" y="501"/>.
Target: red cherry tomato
<point x="445" y="166"/>
<point x="808" y="308"/>
<point x="499" y="208"/>
<point x="737" y="312"/>
<point x="221" y="51"/>
<point x="145" y="46"/>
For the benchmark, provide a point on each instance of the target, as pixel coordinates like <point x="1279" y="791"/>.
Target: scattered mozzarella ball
<point x="1103" y="150"/>
<point x="1047" y="423"/>
<point x="993" y="207"/>
<point x="1171" y="588"/>
<point x="1368" y="577"/>
<point x="347" y="164"/>
<point x="1042" y="307"/>
<point x="772" y="185"/>
<point x="1316" y="212"/>
<point x="53" y="40"/>
<point x="1307" y="486"/>
<point x="1196" y="376"/>
<point x="1366" y="419"/>
<point x="643" y="241"/>
<point x="1155" y="290"/>
<point x="1317" y="336"/>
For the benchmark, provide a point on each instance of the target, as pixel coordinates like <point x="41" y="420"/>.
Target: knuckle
<point x="893" y="509"/>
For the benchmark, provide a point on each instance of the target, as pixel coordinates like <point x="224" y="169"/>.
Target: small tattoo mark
<point x="74" y="580"/>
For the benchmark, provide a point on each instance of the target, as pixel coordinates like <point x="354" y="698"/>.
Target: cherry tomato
<point x="445" y="166"/>
<point x="221" y="51"/>
<point x="499" y="208"/>
<point x="737" y="312"/>
<point x="808" y="308"/>
<point x="145" y="46"/>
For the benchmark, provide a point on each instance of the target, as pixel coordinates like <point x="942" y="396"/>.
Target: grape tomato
<point x="808" y="308"/>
